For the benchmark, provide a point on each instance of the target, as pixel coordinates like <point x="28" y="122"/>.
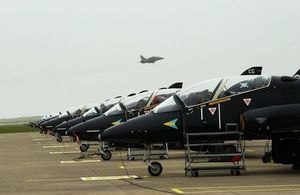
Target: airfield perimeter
<point x="33" y="164"/>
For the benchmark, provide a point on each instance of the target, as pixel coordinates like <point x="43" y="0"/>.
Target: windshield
<point x="108" y="104"/>
<point x="91" y="112"/>
<point x="199" y="93"/>
<point x="214" y="89"/>
<point x="138" y="101"/>
<point x="115" y="110"/>
<point x="64" y="114"/>
<point x="161" y="95"/>
<point x="131" y="103"/>
<point x="167" y="106"/>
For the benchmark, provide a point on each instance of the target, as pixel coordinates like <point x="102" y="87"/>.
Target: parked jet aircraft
<point x="150" y="60"/>
<point x="128" y="108"/>
<point x="62" y="128"/>
<point x="49" y="125"/>
<point x="262" y="107"/>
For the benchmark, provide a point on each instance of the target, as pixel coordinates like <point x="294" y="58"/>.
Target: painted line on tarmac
<point x="81" y="161"/>
<point x="64" y="146"/>
<point x="236" y="189"/>
<point x="109" y="178"/>
<point x="39" y="139"/>
<point x="249" y="150"/>
<point x="66" y="152"/>
<point x="49" y="180"/>
<point x="177" y="191"/>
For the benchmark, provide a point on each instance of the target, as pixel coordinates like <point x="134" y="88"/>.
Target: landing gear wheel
<point x="235" y="172"/>
<point x="296" y="166"/>
<point x="266" y="157"/>
<point x="155" y="169"/>
<point x="59" y="139"/>
<point x="84" y="147"/>
<point x="195" y="174"/>
<point x="131" y="158"/>
<point x="106" y="155"/>
<point x="74" y="138"/>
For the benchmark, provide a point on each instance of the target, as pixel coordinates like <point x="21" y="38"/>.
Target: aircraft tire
<point x="84" y="147"/>
<point x="106" y="155"/>
<point x="74" y="139"/>
<point x="195" y="174"/>
<point x="155" y="169"/>
<point x="266" y="158"/>
<point x="59" y="139"/>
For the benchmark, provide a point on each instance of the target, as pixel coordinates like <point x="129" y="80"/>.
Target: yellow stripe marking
<point x="64" y="146"/>
<point x="39" y="139"/>
<point x="49" y="180"/>
<point x="254" y="186"/>
<point x="108" y="178"/>
<point x="230" y="189"/>
<point x="81" y="161"/>
<point x="69" y="152"/>
<point x="176" y="190"/>
<point x="121" y="167"/>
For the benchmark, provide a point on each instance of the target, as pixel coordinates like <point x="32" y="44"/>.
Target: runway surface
<point x="33" y="164"/>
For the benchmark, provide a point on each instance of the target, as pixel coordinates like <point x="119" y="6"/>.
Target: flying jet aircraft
<point x="150" y="60"/>
<point x="262" y="107"/>
<point x="62" y="128"/>
<point x="128" y="108"/>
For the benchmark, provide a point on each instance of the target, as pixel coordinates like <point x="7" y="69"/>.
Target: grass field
<point x="17" y="128"/>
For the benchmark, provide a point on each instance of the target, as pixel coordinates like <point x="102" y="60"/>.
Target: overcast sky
<point x="60" y="53"/>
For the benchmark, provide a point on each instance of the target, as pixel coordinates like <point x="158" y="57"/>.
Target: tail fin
<point x="256" y="70"/>
<point x="297" y="74"/>
<point x="176" y="85"/>
<point x="142" y="57"/>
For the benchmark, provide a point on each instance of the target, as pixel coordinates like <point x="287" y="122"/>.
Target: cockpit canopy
<point x="142" y="100"/>
<point x="214" y="89"/>
<point x="106" y="105"/>
<point x="92" y="112"/>
<point x="75" y="111"/>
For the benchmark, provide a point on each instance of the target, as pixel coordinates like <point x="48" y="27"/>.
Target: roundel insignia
<point x="172" y="124"/>
<point x="247" y="101"/>
<point x="212" y="110"/>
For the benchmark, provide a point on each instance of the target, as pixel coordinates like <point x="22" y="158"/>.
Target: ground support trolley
<point x="215" y="153"/>
<point x="159" y="150"/>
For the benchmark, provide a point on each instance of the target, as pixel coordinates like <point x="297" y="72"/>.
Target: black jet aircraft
<point x="49" y="125"/>
<point x="128" y="108"/>
<point x="150" y="60"/>
<point x="43" y="119"/>
<point x="262" y="107"/>
<point x="63" y="128"/>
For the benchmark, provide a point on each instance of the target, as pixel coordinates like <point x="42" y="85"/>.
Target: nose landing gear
<point x="106" y="154"/>
<point x="84" y="147"/>
<point x="154" y="168"/>
<point x="267" y="157"/>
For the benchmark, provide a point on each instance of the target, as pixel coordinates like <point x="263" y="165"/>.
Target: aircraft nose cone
<point x="148" y="128"/>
